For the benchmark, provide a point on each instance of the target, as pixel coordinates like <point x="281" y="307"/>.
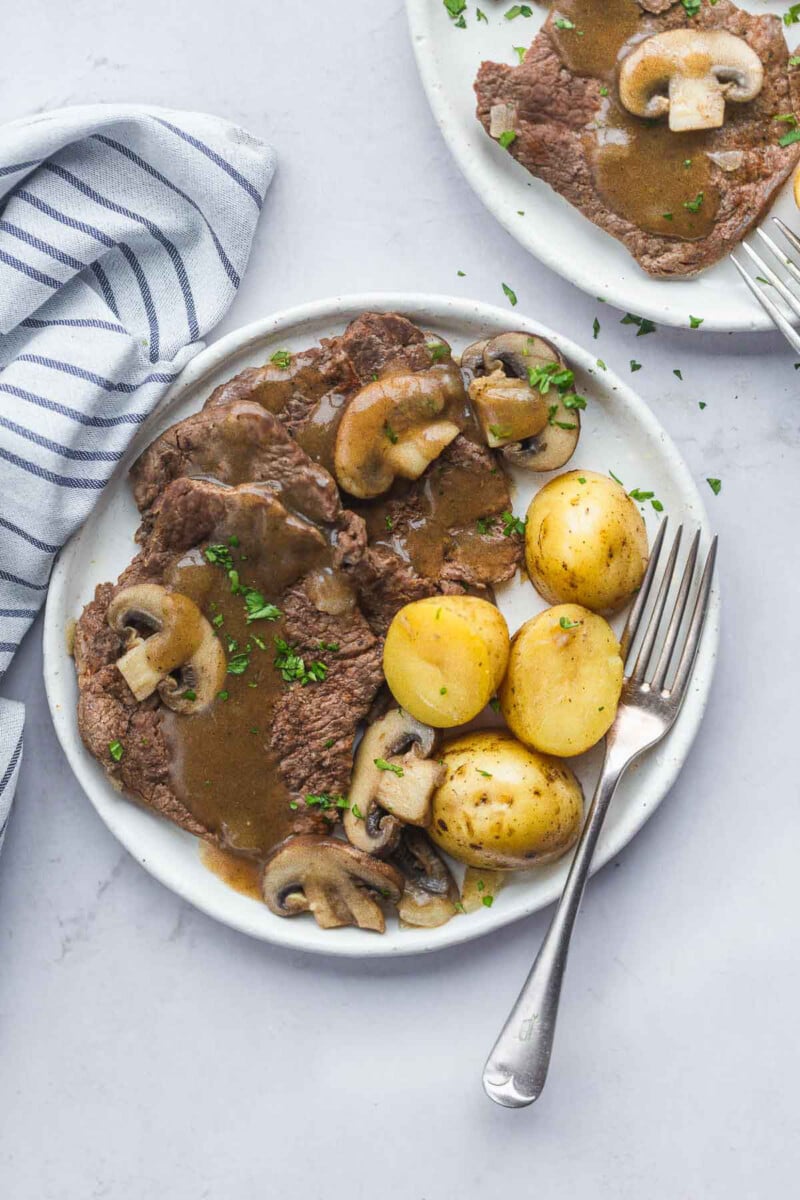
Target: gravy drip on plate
<point x="656" y="179"/>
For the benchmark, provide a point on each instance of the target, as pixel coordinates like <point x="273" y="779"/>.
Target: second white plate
<point x="541" y="220"/>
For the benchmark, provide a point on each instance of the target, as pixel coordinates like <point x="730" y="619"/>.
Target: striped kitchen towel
<point x="124" y="233"/>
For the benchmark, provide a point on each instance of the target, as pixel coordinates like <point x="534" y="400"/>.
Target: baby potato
<point x="444" y="658"/>
<point x="564" y="680"/>
<point x="502" y="806"/>
<point x="585" y="542"/>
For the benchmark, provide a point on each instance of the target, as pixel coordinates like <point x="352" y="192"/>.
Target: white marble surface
<point x="144" y="1050"/>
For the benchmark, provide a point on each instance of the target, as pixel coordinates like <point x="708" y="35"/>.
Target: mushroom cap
<point x="430" y="893"/>
<point x="182" y="640"/>
<point x="367" y="825"/>
<point x="396" y="425"/>
<point x="691" y="71"/>
<point x="331" y="879"/>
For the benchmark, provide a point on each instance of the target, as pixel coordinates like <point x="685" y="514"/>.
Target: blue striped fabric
<point x="124" y="234"/>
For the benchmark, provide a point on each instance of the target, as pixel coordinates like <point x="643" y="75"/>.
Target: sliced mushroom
<point x="367" y="824"/>
<point x="181" y="640"/>
<point x="517" y="354"/>
<point x="395" y="426"/>
<point x="430" y="894"/>
<point x="472" y="359"/>
<point x="406" y="788"/>
<point x="336" y="882"/>
<point x="690" y="74"/>
<point x="508" y="410"/>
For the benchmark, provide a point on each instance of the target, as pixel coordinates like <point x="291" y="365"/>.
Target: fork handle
<point x="516" y="1069"/>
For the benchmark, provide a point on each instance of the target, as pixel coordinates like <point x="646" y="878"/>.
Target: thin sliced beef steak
<point x="460" y="498"/>
<point x="555" y="110"/>
<point x="239" y="442"/>
<point x="302" y="729"/>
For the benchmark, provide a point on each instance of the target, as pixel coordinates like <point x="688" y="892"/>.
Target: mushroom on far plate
<point x="395" y="426"/>
<point x="520" y="401"/>
<point x="180" y="640"/>
<point x="334" y="881"/>
<point x="690" y="74"/>
<point x="398" y="746"/>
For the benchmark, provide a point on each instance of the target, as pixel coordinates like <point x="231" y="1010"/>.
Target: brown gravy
<point x="658" y="180"/>
<point x="241" y="874"/>
<point x="221" y="765"/>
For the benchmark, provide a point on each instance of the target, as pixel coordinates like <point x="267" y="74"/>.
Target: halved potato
<point x="503" y="806"/>
<point x="585" y="542"/>
<point x="564" y="679"/>
<point x="444" y="658"/>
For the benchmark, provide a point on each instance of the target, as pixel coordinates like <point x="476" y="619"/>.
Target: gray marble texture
<point x="146" y="1051"/>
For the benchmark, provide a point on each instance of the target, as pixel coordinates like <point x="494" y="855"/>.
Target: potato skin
<point x="525" y="810"/>
<point x="562" y="687"/>
<point x="585" y="543"/>
<point x="444" y="658"/>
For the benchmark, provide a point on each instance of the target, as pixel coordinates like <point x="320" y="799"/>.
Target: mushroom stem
<point x="695" y="102"/>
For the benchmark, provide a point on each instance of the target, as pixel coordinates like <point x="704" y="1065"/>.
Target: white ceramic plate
<point x="619" y="432"/>
<point x="551" y="228"/>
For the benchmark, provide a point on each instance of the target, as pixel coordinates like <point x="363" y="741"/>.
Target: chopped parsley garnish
<point x="390" y="433"/>
<point x="116" y="750"/>
<point x="395" y="768"/>
<point x="512" y="524"/>
<point x="794" y="61"/>
<point x="696" y="204"/>
<point x="638" y="494"/>
<point x="518" y="10"/>
<point x="520" y="51"/>
<point x="238" y="664"/>
<point x="693" y="6"/>
<point x="792" y="17"/>
<point x="220" y="555"/>
<point x="292" y="666"/>
<point x="695" y="322"/>
<point x="601" y="365"/>
<point x="461" y="274"/>
<point x="455" y="8"/>
<point x="667" y="216"/>
<point x="550" y="375"/>
<point x="581" y="479"/>
<point x="715" y="485"/>
<point x="189" y="694"/>
<point x="389" y="523"/>
<point x="494" y="704"/>
<point x="487" y="900"/>
<point x="325" y="800"/>
<point x="676" y="372"/>
<point x="481" y="16"/>
<point x="565" y="623"/>
<point x="442" y="691"/>
<point x="357" y="813"/>
<point x="217" y="620"/>
<point x="332" y="646"/>
<point x="485" y="774"/>
<point x="645" y="325"/>
<point x="282" y="359"/>
<point x="788" y="138"/>
<point x="604" y="90"/>
<point x="616" y="479"/>
<point x="635" y="366"/>
<point x="512" y="295"/>
<point x="500" y="432"/>
<point x="257" y="608"/>
<point x="327" y="743"/>
<point x="222" y="695"/>
<point x="438" y="351"/>
<point x="506" y="138"/>
<point x="595" y="328"/>
<point x="701" y="404"/>
<point x="564" y="23"/>
<point x="551" y="419"/>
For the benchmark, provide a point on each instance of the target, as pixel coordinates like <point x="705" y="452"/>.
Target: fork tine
<point x="781" y="257"/>
<point x="635" y="615"/>
<point x="788" y="233"/>
<point x="775" y="280"/>
<point x="696" y="624"/>
<point x="651" y="633"/>
<point x="787" y="329"/>
<point x="676" y="620"/>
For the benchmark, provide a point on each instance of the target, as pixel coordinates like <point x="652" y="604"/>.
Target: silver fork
<point x="516" y="1070"/>
<point x="769" y="276"/>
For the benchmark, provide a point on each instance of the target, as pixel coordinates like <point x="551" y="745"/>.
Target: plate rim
<point x="293" y="935"/>
<point x="418" y="14"/>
